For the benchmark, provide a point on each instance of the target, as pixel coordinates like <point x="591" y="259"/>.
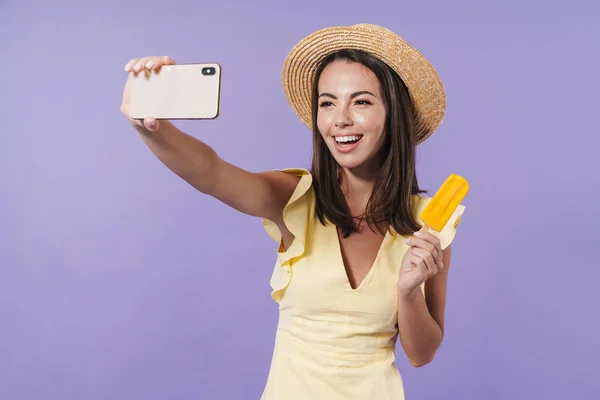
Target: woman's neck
<point x="357" y="186"/>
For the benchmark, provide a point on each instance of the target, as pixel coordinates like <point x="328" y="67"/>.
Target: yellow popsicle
<point x="441" y="207"/>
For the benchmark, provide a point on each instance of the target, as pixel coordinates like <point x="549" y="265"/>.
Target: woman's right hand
<point x="259" y="194"/>
<point x="134" y="67"/>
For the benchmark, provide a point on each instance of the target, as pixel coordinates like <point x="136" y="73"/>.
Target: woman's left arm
<point x="421" y="316"/>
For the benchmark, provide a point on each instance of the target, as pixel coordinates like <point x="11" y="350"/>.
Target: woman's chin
<point x="349" y="161"/>
<point x="357" y="161"/>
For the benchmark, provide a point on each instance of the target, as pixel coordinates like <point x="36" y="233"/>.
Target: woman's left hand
<point x="422" y="261"/>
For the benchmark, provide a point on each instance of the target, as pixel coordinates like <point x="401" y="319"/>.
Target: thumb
<point x="151" y="124"/>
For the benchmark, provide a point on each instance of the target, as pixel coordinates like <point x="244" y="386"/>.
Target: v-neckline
<point x="341" y="262"/>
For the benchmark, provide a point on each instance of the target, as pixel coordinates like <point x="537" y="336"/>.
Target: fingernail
<point x="127" y="67"/>
<point x="137" y="67"/>
<point x="407" y="241"/>
<point x="150" y="64"/>
<point x="417" y="233"/>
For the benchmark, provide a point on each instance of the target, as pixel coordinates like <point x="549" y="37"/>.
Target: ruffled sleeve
<point x="296" y="216"/>
<point x="448" y="233"/>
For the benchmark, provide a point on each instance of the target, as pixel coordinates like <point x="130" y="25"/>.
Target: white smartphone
<point x="182" y="91"/>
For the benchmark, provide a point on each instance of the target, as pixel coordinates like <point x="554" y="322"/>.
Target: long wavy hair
<point x="396" y="181"/>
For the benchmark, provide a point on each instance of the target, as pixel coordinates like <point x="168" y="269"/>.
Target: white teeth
<point x="342" y="139"/>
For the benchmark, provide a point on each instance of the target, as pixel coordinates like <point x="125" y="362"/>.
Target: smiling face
<point x="351" y="115"/>
<point x="357" y="95"/>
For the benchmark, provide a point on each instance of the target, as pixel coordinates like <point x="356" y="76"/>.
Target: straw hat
<point x="424" y="84"/>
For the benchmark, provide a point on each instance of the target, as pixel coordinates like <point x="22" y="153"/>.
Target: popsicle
<point x="440" y="208"/>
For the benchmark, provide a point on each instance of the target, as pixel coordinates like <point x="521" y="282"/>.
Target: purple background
<point x="119" y="281"/>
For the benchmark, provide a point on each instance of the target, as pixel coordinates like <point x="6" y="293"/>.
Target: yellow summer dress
<point x="334" y="342"/>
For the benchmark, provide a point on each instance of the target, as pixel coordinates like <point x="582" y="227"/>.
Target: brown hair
<point x="396" y="181"/>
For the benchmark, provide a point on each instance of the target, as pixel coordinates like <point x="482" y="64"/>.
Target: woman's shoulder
<point x="298" y="207"/>
<point x="304" y="181"/>
<point x="297" y="171"/>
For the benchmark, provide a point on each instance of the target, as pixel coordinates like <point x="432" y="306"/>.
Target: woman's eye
<point x="358" y="102"/>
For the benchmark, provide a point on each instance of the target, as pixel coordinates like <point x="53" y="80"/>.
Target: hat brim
<point x="421" y="79"/>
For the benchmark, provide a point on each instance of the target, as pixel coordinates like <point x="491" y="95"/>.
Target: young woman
<point x="355" y="270"/>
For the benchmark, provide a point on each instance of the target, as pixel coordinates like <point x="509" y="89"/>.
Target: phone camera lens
<point x="208" y="71"/>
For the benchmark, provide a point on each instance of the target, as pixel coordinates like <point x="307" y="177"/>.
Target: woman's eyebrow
<point x="355" y="94"/>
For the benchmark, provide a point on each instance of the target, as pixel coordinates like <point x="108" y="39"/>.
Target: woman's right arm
<point x="262" y="194"/>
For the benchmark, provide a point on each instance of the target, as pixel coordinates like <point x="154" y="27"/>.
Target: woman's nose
<point x="343" y="118"/>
